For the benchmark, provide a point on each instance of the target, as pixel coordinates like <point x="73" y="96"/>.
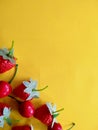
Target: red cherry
<point x="56" y="126"/>
<point x="26" y="109"/>
<point x="5" y="89"/>
<point x="43" y="114"/>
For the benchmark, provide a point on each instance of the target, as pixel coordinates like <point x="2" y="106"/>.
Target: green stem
<point x="59" y="110"/>
<point x="16" y="68"/>
<point x="73" y="124"/>
<point x="10" y="54"/>
<point x="40" y="89"/>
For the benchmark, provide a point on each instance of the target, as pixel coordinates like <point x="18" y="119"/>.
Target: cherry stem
<point x="73" y="124"/>
<point x="40" y="89"/>
<point x="59" y="110"/>
<point x="16" y="68"/>
<point x="14" y="99"/>
<point x="11" y="50"/>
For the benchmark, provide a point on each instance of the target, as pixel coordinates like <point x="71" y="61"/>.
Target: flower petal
<point x="33" y="95"/>
<point x="28" y="90"/>
<point x="33" y="83"/>
<point x="26" y="83"/>
<point x="49" y="105"/>
<point x="6" y="112"/>
<point x="54" y="108"/>
<point x="1" y="121"/>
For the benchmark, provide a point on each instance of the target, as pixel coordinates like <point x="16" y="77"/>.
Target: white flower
<point x="31" y="89"/>
<point x="6" y="112"/>
<point x="1" y="121"/>
<point x="52" y="109"/>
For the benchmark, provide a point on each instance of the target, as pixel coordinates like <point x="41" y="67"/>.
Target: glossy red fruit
<point x="26" y="109"/>
<point x="2" y="106"/>
<point x="5" y="89"/>
<point x="25" y="127"/>
<point x="19" y="92"/>
<point x="43" y="114"/>
<point x="56" y="126"/>
<point x="5" y="65"/>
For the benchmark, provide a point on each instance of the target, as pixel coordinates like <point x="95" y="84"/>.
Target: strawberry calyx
<point x="5" y="117"/>
<point x="1" y="121"/>
<point x="8" y="54"/>
<point x="53" y="112"/>
<point x="30" y="89"/>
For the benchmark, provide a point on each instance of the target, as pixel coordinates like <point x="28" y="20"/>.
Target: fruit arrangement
<point x="23" y="94"/>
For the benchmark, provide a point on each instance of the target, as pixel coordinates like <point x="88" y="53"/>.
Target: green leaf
<point x="11" y="51"/>
<point x="55" y="115"/>
<point x="8" y="120"/>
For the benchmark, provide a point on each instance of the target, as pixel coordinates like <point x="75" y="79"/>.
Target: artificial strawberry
<point x="24" y="127"/>
<point x="26" y="109"/>
<point x="56" y="126"/>
<point x="4" y="114"/>
<point x="43" y="114"/>
<point x="5" y="89"/>
<point x="47" y="114"/>
<point x="7" y="59"/>
<point x="27" y="90"/>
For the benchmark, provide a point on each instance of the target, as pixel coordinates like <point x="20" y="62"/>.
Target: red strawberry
<point x="25" y="127"/>
<point x="26" y="109"/>
<point x="47" y="114"/>
<point x="56" y="126"/>
<point x="27" y="90"/>
<point x="5" y="89"/>
<point x="7" y="60"/>
<point x="43" y="114"/>
<point x="19" y="92"/>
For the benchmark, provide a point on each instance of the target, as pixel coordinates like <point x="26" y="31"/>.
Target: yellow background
<point x="56" y="43"/>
